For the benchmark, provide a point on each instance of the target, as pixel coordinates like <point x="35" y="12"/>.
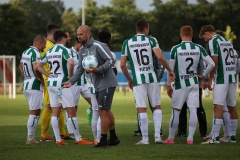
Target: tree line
<point x="20" y="20"/>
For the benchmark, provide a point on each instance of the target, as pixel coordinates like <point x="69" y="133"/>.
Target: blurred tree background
<point x="20" y="20"/>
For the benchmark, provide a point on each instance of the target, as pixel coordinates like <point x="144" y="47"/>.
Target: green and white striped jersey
<point x="30" y="56"/>
<point x="139" y="50"/>
<point x="83" y="79"/>
<point x="186" y="56"/>
<point x="57" y="58"/>
<point x="227" y="59"/>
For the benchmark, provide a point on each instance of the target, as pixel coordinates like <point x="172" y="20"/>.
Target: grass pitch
<point x="13" y="133"/>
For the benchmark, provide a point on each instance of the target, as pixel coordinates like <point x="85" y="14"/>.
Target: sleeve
<point x="44" y="59"/>
<point x="213" y="47"/>
<point x="124" y="48"/>
<point x="79" y="71"/>
<point x="153" y="43"/>
<point x="172" y="62"/>
<point x="106" y="55"/>
<point x="67" y="54"/>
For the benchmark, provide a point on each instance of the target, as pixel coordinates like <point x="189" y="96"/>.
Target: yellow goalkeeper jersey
<point x="49" y="45"/>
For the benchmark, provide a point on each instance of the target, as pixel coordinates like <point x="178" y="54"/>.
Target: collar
<point x="59" y="45"/>
<point x="90" y="43"/>
<point x="34" y="48"/>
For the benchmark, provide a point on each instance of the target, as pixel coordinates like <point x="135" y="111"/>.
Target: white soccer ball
<point x="89" y="62"/>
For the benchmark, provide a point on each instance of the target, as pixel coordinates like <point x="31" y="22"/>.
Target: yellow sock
<point x="61" y="122"/>
<point x="45" y="121"/>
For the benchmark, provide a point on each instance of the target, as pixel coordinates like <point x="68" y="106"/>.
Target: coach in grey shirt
<point x="103" y="79"/>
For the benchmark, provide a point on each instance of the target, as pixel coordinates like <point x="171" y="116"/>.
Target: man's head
<point x="207" y="32"/>
<point x="52" y="28"/>
<point x="220" y="32"/>
<point x="186" y="32"/>
<point x="68" y="37"/>
<point x="142" y="26"/>
<point x="83" y="34"/>
<point x="77" y="44"/>
<point x="39" y="42"/>
<point x="60" y="37"/>
<point x="105" y="37"/>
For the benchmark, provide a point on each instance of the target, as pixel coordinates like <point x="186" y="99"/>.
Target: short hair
<point x="141" y="24"/>
<point x="104" y="36"/>
<point x="38" y="38"/>
<point x="206" y="28"/>
<point x="186" y="30"/>
<point x="220" y="32"/>
<point x="58" y="35"/>
<point x="51" y="28"/>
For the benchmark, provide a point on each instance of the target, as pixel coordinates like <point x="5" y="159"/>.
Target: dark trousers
<point x="182" y="126"/>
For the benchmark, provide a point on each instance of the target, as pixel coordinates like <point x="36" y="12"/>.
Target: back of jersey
<point x="140" y="55"/>
<point x="227" y="60"/>
<point x="29" y="57"/>
<point x="187" y="56"/>
<point x="57" y="59"/>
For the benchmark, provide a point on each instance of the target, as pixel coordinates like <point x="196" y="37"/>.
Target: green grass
<point x="13" y="133"/>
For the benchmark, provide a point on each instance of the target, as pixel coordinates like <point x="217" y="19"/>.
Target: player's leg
<point x="140" y="96"/>
<point x="69" y="103"/>
<point x="231" y="102"/>
<point x="56" y="107"/>
<point x="104" y="99"/>
<point x="95" y="116"/>
<point x="178" y="98"/>
<point x="182" y="126"/>
<point x="201" y="115"/>
<point x="193" y="104"/>
<point x="34" y="99"/>
<point x="155" y="100"/>
<point x="219" y="100"/>
<point x="46" y="115"/>
<point x="225" y="125"/>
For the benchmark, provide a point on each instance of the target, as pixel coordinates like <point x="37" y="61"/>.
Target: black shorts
<point x="104" y="98"/>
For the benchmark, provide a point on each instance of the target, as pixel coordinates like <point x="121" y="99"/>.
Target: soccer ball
<point x="89" y="61"/>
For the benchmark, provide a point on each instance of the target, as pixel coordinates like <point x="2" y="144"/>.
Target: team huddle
<point x="59" y="73"/>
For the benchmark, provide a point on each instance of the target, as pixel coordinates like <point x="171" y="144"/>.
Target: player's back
<point x="30" y="56"/>
<point x="57" y="58"/>
<point x="187" y="56"/>
<point x="140" y="55"/>
<point x="227" y="59"/>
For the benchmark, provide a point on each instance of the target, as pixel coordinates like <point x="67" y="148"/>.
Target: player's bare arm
<point x="125" y="71"/>
<point x="211" y="77"/>
<point x="41" y="69"/>
<point x="70" y="68"/>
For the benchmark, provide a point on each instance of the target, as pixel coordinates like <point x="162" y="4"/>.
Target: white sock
<point x="70" y="130"/>
<point x="99" y="129"/>
<point x="95" y="116"/>
<point x="32" y="126"/>
<point x="216" y="127"/>
<point x="55" y="126"/>
<point x="192" y="123"/>
<point x="233" y="126"/>
<point x="173" y="124"/>
<point x="143" y="120"/>
<point x="157" y="120"/>
<point x="226" y="123"/>
<point x="73" y="123"/>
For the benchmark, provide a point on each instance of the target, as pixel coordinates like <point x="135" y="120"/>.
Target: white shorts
<point x="94" y="102"/>
<point x="189" y="94"/>
<point x="224" y="94"/>
<point x="83" y="90"/>
<point x="52" y="91"/>
<point x="69" y="97"/>
<point x="144" y="91"/>
<point x="34" y="98"/>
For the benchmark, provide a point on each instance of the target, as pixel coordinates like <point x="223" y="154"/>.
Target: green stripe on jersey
<point x="187" y="82"/>
<point x="195" y="80"/>
<point x="26" y="86"/>
<point x="143" y="78"/>
<point x="176" y="71"/>
<point x="36" y="84"/>
<point x="230" y="78"/>
<point x="150" y="77"/>
<point x="54" y="83"/>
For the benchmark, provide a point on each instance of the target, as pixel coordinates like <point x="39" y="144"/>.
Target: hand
<point x="210" y="85"/>
<point x="204" y="85"/>
<point x="91" y="70"/>
<point x="200" y="76"/>
<point x="172" y="76"/>
<point x="67" y="85"/>
<point x="169" y="91"/>
<point x="130" y="84"/>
